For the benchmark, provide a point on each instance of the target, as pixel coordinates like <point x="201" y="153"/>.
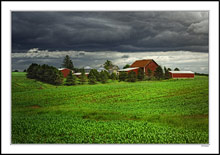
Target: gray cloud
<point x="111" y="31"/>
<point x="125" y="56"/>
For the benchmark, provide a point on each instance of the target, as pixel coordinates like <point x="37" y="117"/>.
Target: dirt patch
<point x="41" y="87"/>
<point x="35" y="106"/>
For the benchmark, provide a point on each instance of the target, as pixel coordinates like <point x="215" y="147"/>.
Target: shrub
<point x="114" y="76"/>
<point x="158" y="73"/>
<point x="123" y="76"/>
<point x="71" y="79"/>
<point x="92" y="78"/>
<point x="141" y="74"/>
<point x="103" y="76"/>
<point x="94" y="72"/>
<point x="83" y="77"/>
<point x="32" y="71"/>
<point x="132" y="77"/>
<point x="166" y="73"/>
<point x="149" y="74"/>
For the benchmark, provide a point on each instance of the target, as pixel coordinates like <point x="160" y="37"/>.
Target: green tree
<point x="158" y="73"/>
<point x="70" y="79"/>
<point x="67" y="63"/>
<point x="25" y="70"/>
<point x="94" y="72"/>
<point x="57" y="77"/>
<point x="108" y="65"/>
<point x="114" y="76"/>
<point x="176" y="69"/>
<point x="123" y="76"/>
<point x="32" y="71"/>
<point x="141" y="74"/>
<point x="45" y="73"/>
<point x="126" y="66"/>
<point x="91" y="77"/>
<point x="149" y="74"/>
<point x="103" y="76"/>
<point x="132" y="77"/>
<point x="166" y="73"/>
<point x="83" y="77"/>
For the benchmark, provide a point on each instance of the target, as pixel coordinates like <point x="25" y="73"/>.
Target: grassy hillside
<point x="169" y="111"/>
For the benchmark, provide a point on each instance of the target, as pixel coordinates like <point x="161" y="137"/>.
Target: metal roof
<point x="80" y="73"/>
<point x="87" y="67"/>
<point x="127" y="69"/>
<point x="141" y="63"/>
<point x="101" y="69"/>
<point x="62" y="68"/>
<point x="187" y="72"/>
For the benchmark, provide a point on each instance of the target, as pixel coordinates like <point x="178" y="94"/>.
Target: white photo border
<point x="213" y="9"/>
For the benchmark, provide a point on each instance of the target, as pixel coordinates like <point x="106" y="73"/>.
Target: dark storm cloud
<point x="111" y="31"/>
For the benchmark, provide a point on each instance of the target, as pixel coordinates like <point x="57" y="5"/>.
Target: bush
<point x="71" y="79"/>
<point x="32" y="71"/>
<point x="83" y="77"/>
<point x="166" y="73"/>
<point x="132" y="77"/>
<point x="141" y="74"/>
<point x="158" y="73"/>
<point x="94" y="72"/>
<point x="103" y="76"/>
<point x="114" y="76"/>
<point x="92" y="78"/>
<point x="149" y="74"/>
<point x="123" y="76"/>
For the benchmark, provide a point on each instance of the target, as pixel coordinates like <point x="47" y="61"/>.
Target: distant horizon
<point x="184" y="60"/>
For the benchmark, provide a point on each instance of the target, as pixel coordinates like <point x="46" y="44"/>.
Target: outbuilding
<point x="181" y="74"/>
<point x="79" y="74"/>
<point x="87" y="69"/>
<point x="135" y="69"/>
<point x="64" y="71"/>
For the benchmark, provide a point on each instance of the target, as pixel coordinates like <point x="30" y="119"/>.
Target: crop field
<point x="146" y="112"/>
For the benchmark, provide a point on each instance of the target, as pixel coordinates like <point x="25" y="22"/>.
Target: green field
<point x="147" y="112"/>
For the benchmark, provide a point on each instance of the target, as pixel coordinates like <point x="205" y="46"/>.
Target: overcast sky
<point x="173" y="39"/>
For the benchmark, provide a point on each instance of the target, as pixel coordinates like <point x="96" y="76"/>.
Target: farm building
<point x="88" y="69"/>
<point x="135" y="69"/>
<point x="78" y="74"/>
<point x="144" y="64"/>
<point x="113" y="69"/>
<point x="101" y="69"/>
<point x="65" y="71"/>
<point x="181" y="74"/>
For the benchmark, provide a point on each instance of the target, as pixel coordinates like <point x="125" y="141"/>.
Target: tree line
<point x="45" y="73"/>
<point x="93" y="77"/>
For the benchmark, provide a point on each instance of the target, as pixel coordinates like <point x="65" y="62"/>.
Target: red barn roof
<point x="142" y="63"/>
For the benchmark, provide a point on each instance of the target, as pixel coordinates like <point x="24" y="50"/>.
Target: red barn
<point x="181" y="74"/>
<point x="65" y="71"/>
<point x="145" y="64"/>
